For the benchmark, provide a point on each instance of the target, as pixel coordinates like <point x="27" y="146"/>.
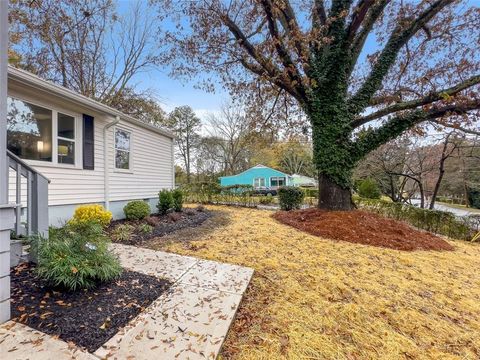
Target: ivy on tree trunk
<point x="311" y="57"/>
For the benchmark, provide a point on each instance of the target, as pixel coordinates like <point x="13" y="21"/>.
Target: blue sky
<point x="174" y="92"/>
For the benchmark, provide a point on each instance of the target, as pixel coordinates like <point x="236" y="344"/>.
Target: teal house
<point x="259" y="176"/>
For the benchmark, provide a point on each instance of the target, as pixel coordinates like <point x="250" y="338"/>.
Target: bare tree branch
<point x="319" y="16"/>
<point x="456" y="127"/>
<point x="373" y="15"/>
<point x="389" y="54"/>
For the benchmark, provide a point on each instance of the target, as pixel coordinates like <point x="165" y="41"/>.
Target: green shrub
<point x="123" y="232"/>
<point x="145" y="229"/>
<point x="201" y="192"/>
<point x="165" y="201"/>
<point x="310" y="192"/>
<point x="474" y="198"/>
<point x="290" y="197"/>
<point x="75" y="256"/>
<point x="266" y="200"/>
<point x="136" y="210"/>
<point x="237" y="189"/>
<point x="440" y="222"/>
<point x="369" y="189"/>
<point x="177" y="200"/>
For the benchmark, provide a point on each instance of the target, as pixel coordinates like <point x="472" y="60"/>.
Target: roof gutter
<point x="106" y="179"/>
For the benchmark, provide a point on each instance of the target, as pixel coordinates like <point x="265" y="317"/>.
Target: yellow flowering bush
<point x="91" y="213"/>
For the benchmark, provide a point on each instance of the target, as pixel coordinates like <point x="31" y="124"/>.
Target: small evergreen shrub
<point x="177" y="200"/>
<point x="165" y="201"/>
<point x="75" y="256"/>
<point x="123" y="232"/>
<point x="474" y="198"/>
<point x="368" y="189"/>
<point x="91" y="213"/>
<point x="290" y="197"/>
<point x="136" y="210"/>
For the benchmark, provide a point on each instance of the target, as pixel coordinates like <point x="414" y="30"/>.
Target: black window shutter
<point x="88" y="143"/>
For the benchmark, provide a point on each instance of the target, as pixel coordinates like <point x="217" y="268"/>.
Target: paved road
<point x="444" y="207"/>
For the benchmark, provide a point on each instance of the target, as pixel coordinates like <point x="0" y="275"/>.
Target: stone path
<point x="190" y="321"/>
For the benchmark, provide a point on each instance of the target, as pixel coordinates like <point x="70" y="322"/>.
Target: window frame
<point x="78" y="134"/>
<point x="130" y="152"/>
<point x="74" y="140"/>
<point x="276" y="178"/>
<point x="259" y="177"/>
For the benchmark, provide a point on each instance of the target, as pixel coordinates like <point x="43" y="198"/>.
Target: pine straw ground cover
<point x="362" y="227"/>
<point x="314" y="298"/>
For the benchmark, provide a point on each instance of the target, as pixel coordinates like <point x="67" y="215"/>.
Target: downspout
<point x="105" y="161"/>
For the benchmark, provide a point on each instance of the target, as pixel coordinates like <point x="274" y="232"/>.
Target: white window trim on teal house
<point x="78" y="133"/>
<point x="258" y="178"/>
<point x="277" y="178"/>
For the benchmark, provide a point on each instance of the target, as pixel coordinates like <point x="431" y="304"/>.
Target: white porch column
<point x="6" y="211"/>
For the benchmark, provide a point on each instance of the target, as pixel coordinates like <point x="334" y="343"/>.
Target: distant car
<point x="264" y="190"/>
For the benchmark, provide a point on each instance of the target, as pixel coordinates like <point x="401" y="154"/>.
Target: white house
<point x="89" y="152"/>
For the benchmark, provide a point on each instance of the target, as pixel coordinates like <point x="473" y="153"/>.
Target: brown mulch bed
<point x="161" y="225"/>
<point x="362" y="227"/>
<point x="88" y="318"/>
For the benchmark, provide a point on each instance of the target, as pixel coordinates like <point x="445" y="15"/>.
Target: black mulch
<point x="162" y="225"/>
<point x="87" y="318"/>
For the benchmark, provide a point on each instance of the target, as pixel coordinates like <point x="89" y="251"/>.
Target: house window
<point x="41" y="134"/>
<point x="259" y="182"/>
<point x="122" y="149"/>
<point x="66" y="139"/>
<point x="29" y="130"/>
<point x="277" y="181"/>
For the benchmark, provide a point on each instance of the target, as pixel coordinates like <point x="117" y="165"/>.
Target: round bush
<point x="91" y="213"/>
<point x="369" y="189"/>
<point x="136" y="210"/>
<point x="290" y="197"/>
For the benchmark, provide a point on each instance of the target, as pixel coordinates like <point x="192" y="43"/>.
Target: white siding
<point x="150" y="168"/>
<point x="151" y="155"/>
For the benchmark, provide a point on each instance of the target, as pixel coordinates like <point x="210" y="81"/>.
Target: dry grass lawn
<point x="314" y="298"/>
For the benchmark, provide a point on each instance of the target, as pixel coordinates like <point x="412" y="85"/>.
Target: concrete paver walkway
<point x="189" y="321"/>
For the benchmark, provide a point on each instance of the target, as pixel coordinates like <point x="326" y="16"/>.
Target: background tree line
<point x="445" y="167"/>
<point x="312" y="84"/>
<point x="229" y="142"/>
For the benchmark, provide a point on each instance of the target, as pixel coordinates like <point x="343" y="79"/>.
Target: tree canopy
<point x="421" y="66"/>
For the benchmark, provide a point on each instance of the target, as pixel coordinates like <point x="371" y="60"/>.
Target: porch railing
<point x="31" y="216"/>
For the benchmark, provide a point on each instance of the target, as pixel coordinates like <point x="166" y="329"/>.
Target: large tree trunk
<point x="332" y="196"/>
<point x="332" y="156"/>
